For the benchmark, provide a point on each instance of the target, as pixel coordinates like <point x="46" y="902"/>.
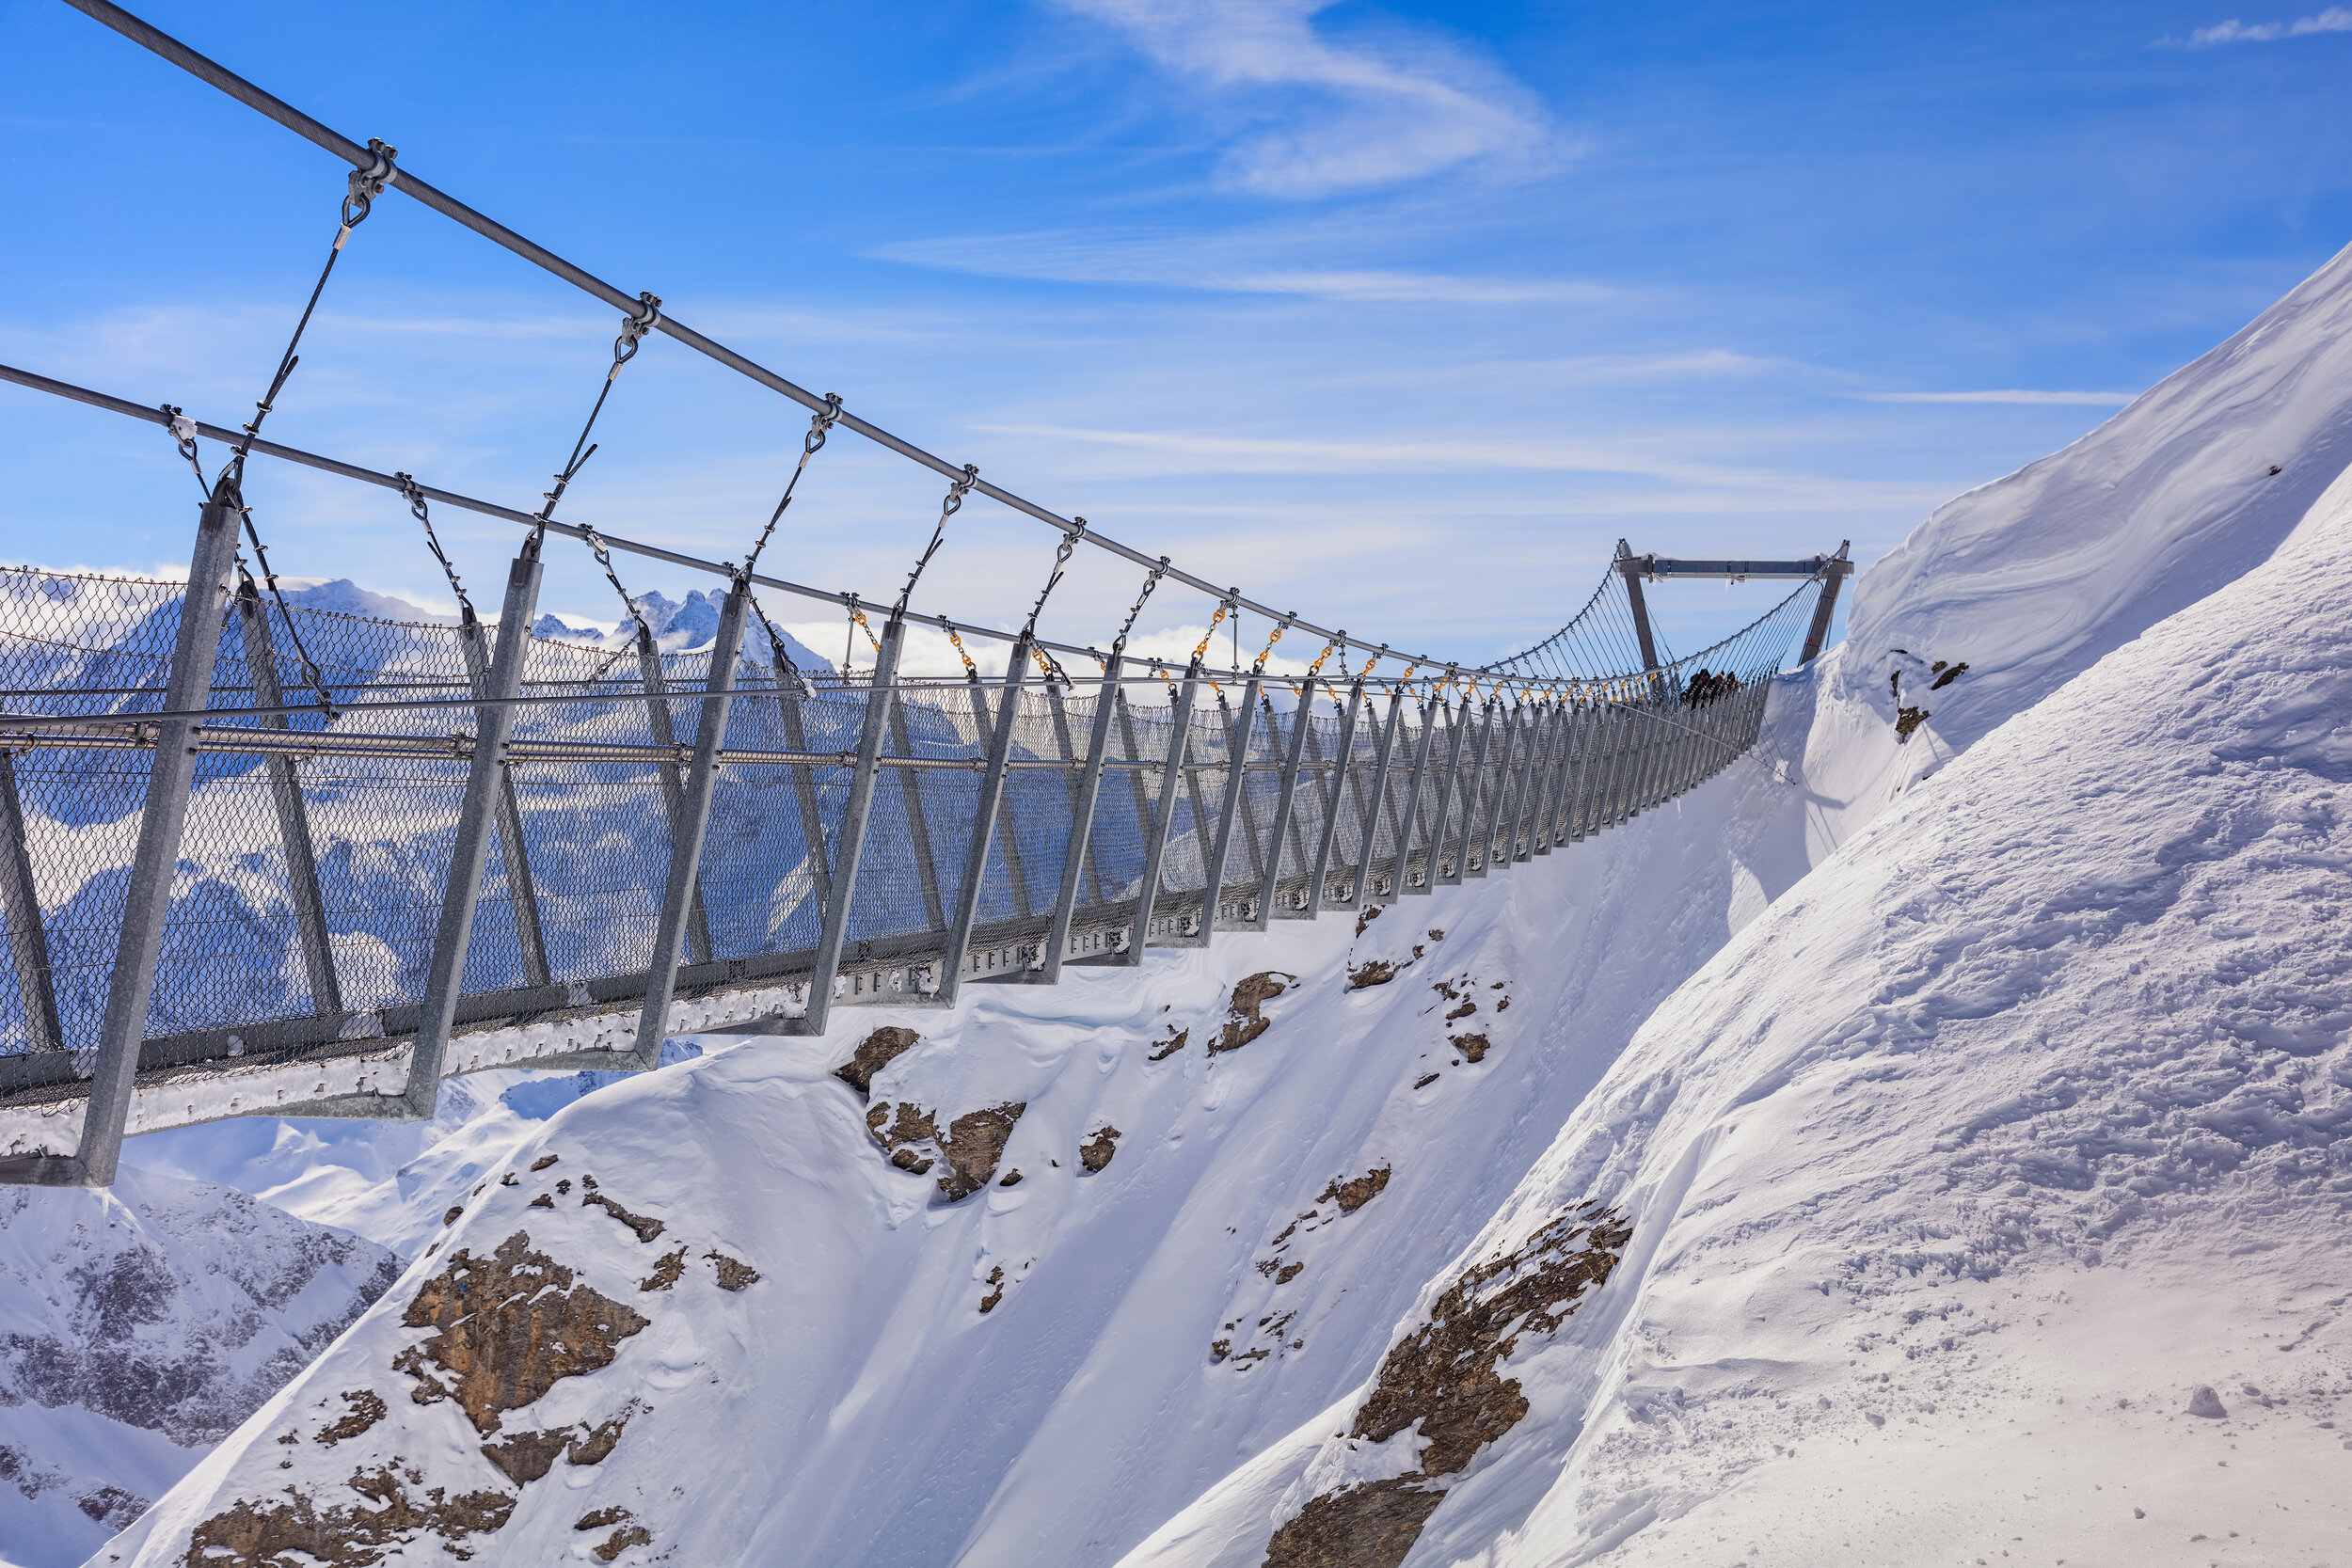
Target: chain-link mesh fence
<point x="315" y="857"/>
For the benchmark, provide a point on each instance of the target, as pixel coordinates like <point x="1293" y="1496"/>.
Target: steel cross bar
<point x="854" y="815"/>
<point x="153" y="39"/>
<point x="453" y="933"/>
<point x="681" y="899"/>
<point x="1336" y="802"/>
<point x="294" y="821"/>
<point x="1155" y="836"/>
<point x="984" y="809"/>
<point x="1301" y="725"/>
<point x="1080" y="847"/>
<point x="1659" y="566"/>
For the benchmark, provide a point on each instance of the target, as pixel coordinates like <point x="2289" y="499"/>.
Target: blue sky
<point x="1398" y="314"/>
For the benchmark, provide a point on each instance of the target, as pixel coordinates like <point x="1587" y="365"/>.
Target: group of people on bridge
<point x="1705" y="688"/>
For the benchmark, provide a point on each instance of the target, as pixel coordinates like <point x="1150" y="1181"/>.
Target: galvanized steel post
<point x="1409" y="825"/>
<point x="984" y="810"/>
<point x="522" y="893"/>
<point x="1343" y="765"/>
<point x="1283" y="803"/>
<point x="162" y="820"/>
<point x="672" y="787"/>
<point x="1081" y="842"/>
<point x="19" y="905"/>
<point x="803" y="791"/>
<point x="1376" y="802"/>
<point x="854" y="815"/>
<point x="294" y="821"/>
<point x="686" y="842"/>
<point x="445" y="970"/>
<point x="1016" y="875"/>
<point x="1443" y="823"/>
<point x="918" y="821"/>
<point x="1155" y="841"/>
<point x="1228" y="810"/>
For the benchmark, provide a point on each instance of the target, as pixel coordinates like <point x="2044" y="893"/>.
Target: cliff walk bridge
<point x="264" y="859"/>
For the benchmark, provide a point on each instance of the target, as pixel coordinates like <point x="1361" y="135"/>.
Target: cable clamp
<point x="365" y="185"/>
<point x="821" y="424"/>
<point x="633" y="330"/>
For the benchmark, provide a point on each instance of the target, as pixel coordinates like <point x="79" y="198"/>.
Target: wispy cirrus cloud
<point x="2335" y="19"/>
<point x="1313" y="114"/>
<point x="1221" y="264"/>
<point x="2088" y="400"/>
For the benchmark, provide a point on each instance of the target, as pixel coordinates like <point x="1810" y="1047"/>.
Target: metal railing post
<point x="1060" y="709"/>
<point x="1456" y="745"/>
<point x="1135" y="753"/>
<point x="1080" y="850"/>
<point x="854" y="819"/>
<point x="678" y="898"/>
<point x="992" y="796"/>
<point x="1409" y="826"/>
<point x="1016" y="875"/>
<point x="919" y="823"/>
<point x="1259" y="844"/>
<point x="1626" y="766"/>
<point x="1155" y="840"/>
<point x="1489" y="787"/>
<point x="19" y="905"/>
<point x="1567" y="824"/>
<point x="1283" y="803"/>
<point x="1608" y="724"/>
<point x="522" y="893"/>
<point x="1377" y="803"/>
<point x="1518" y="752"/>
<point x="1236" y="775"/>
<point x="445" y="970"/>
<point x="293" y="822"/>
<point x="162" y="818"/>
<point x="673" y="786"/>
<point x="1543" y="755"/>
<point x="804" y="790"/>
<point x="1318" y="886"/>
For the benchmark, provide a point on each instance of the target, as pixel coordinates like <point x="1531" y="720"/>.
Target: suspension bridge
<point x="264" y="859"/>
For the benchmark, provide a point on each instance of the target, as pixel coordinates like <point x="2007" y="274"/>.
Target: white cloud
<point x="1325" y="116"/>
<point x="2091" y="400"/>
<point x="2335" y="19"/>
<point x="1222" y="264"/>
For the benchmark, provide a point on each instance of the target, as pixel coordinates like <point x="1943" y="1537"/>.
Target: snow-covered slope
<point x="137" y="1327"/>
<point x="1992" y="1188"/>
<point x="1189" y="1324"/>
